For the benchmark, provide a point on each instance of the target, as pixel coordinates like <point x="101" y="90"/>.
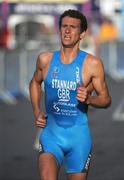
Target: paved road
<point x="18" y="159"/>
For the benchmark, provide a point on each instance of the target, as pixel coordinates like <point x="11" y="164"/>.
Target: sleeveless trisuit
<point x="66" y="135"/>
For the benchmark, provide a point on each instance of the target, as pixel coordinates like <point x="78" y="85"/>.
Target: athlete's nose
<point x="68" y="29"/>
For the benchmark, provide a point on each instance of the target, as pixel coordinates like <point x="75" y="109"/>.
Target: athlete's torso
<point x="66" y="134"/>
<point x="61" y="84"/>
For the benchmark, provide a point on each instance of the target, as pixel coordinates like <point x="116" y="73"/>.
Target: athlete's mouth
<point x="67" y="37"/>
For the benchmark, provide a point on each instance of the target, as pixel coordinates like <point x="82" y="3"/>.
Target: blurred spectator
<point x="91" y="42"/>
<point x="3" y="35"/>
<point x="94" y="32"/>
<point x="108" y="31"/>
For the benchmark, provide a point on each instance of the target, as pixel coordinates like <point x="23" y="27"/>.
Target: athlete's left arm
<point x="96" y="83"/>
<point x="102" y="97"/>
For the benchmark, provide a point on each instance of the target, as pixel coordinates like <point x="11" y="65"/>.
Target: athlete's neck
<point x="68" y="54"/>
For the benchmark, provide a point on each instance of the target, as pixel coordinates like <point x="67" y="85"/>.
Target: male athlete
<point x="69" y="76"/>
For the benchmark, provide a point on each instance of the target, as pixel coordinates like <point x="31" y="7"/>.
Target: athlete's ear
<point x="82" y="35"/>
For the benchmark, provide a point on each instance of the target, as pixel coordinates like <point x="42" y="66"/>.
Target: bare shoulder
<point x="93" y="60"/>
<point x="93" y="63"/>
<point x="92" y="67"/>
<point x="44" y="59"/>
<point x="95" y="66"/>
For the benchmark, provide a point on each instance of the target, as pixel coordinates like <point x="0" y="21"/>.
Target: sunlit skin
<point x="93" y="80"/>
<point x="70" y="35"/>
<point x="70" y="32"/>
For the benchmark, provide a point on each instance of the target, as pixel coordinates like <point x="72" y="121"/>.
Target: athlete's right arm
<point x="35" y="92"/>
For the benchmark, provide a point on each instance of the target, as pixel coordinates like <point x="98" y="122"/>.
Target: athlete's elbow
<point x="107" y="102"/>
<point x="30" y="83"/>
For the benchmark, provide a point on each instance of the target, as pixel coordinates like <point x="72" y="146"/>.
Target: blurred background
<point x="28" y="27"/>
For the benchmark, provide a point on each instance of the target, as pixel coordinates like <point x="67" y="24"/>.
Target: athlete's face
<point x="70" y="31"/>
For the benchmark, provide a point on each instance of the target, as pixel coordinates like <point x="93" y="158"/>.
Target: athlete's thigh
<point x="78" y="159"/>
<point x="77" y="176"/>
<point x="48" y="166"/>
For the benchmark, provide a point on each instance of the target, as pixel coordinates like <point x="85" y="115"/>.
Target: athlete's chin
<point x="68" y="45"/>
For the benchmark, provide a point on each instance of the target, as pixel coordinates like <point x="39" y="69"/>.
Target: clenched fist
<point x="82" y="94"/>
<point x="40" y="120"/>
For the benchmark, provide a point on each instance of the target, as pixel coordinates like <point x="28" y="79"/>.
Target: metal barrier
<point x="112" y="55"/>
<point x="17" y="68"/>
<point x="5" y="94"/>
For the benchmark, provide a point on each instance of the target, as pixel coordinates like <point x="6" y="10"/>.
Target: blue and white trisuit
<point x="66" y="134"/>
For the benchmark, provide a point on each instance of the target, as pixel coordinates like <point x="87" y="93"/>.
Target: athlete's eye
<point x="69" y="26"/>
<point x="64" y="25"/>
<point x="73" y="27"/>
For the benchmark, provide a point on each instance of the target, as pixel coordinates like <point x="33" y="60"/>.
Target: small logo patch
<point x="88" y="162"/>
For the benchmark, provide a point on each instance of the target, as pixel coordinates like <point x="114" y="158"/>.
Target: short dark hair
<point x="75" y="14"/>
